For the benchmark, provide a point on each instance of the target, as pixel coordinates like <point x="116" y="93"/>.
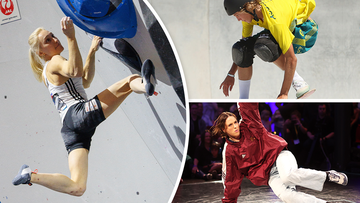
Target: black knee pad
<point x="243" y="52"/>
<point x="267" y="48"/>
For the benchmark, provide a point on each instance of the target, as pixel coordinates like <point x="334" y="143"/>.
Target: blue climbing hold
<point x="103" y="18"/>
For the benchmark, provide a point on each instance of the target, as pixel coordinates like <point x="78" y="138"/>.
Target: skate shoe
<point x="337" y="177"/>
<point x="302" y="89"/>
<point x="148" y="76"/>
<point x="24" y="176"/>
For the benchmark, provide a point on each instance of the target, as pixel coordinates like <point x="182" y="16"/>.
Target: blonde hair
<point x="35" y="60"/>
<point x="250" y="6"/>
<point x="219" y="124"/>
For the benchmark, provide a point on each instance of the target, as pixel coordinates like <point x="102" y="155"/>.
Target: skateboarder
<point x="289" y="30"/>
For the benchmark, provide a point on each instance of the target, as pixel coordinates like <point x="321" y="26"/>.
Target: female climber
<point x="66" y="80"/>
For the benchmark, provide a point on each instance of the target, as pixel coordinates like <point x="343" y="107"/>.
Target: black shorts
<point x="80" y="123"/>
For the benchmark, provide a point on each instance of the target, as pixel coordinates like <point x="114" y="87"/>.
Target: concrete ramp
<point x="136" y="154"/>
<point x="204" y="35"/>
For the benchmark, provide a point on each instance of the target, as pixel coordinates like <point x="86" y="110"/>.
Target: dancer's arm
<point x="249" y="112"/>
<point x="232" y="182"/>
<point x="89" y="67"/>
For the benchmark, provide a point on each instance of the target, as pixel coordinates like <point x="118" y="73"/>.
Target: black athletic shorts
<point x="80" y="123"/>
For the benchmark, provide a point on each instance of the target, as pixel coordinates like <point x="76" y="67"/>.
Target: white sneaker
<point x="337" y="177"/>
<point x="301" y="88"/>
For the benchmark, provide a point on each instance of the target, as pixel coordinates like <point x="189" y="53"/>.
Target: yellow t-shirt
<point x="278" y="15"/>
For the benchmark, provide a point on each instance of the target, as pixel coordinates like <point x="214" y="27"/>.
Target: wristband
<point x="231" y="75"/>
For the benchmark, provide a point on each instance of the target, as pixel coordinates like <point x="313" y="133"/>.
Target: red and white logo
<point x="6" y="7"/>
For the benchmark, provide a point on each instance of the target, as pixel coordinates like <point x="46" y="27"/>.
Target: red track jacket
<point x="253" y="156"/>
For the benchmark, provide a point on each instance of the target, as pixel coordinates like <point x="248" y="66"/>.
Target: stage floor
<point x="191" y="190"/>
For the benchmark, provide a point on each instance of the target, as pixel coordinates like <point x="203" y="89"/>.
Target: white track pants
<point x="285" y="175"/>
